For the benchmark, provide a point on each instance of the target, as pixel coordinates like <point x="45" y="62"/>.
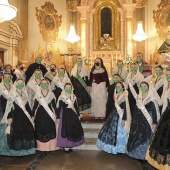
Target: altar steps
<point x="91" y="131"/>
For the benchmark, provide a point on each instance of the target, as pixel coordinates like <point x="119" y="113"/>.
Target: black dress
<point x="110" y="100"/>
<point x="45" y="128"/>
<point x="57" y="92"/>
<point x="83" y="97"/>
<point x="159" y="150"/>
<point x="22" y="135"/>
<point x="132" y="100"/>
<point x="140" y="132"/>
<point x="70" y="129"/>
<point x="3" y="102"/>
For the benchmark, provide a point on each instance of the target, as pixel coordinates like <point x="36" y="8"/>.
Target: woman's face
<point x="68" y="87"/>
<point x="134" y="66"/>
<point x="20" y="82"/>
<point x="158" y="69"/>
<point x="44" y="84"/>
<point x="8" y="69"/>
<point x="119" y="85"/>
<point x="37" y="72"/>
<point x="7" y="76"/>
<point x="52" y="66"/>
<point x="144" y="88"/>
<point x="61" y="70"/>
<point x="98" y="60"/>
<point x="167" y="73"/>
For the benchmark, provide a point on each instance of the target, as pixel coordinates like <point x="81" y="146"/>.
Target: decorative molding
<point x="141" y="3"/>
<point x="161" y="17"/>
<point x="72" y="4"/>
<point x="49" y="22"/>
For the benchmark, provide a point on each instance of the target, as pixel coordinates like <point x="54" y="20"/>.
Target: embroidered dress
<point x="57" y="85"/>
<point x="45" y="121"/>
<point x="19" y="141"/>
<point x="80" y="82"/>
<point x="113" y="137"/>
<point x="159" y="86"/>
<point x="145" y="114"/>
<point x="132" y="85"/>
<point x="121" y="72"/>
<point x="49" y="76"/>
<point x="99" y="82"/>
<point x="32" y="88"/>
<point x="4" y="95"/>
<point x="158" y="154"/>
<point x="70" y="131"/>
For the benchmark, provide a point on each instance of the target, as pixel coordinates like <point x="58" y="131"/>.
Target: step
<point x="90" y="144"/>
<point x="92" y="125"/>
<point x="91" y="133"/>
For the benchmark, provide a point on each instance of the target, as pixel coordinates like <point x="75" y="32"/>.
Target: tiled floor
<point x="76" y="160"/>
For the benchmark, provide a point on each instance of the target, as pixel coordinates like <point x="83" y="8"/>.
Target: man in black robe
<point x="32" y="67"/>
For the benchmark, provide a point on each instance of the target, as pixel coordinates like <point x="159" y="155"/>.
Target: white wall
<point x="35" y="38"/>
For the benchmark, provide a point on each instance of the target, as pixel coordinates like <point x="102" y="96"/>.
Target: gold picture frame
<point x="116" y="31"/>
<point x="162" y="18"/>
<point x="49" y="22"/>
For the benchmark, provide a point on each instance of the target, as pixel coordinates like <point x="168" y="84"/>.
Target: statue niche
<point x="106" y="26"/>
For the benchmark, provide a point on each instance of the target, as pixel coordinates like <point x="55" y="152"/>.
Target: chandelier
<point x="7" y="12"/>
<point x="72" y="37"/>
<point x="140" y="35"/>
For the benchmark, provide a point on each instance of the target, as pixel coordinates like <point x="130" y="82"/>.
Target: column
<point x="122" y="18"/>
<point x="84" y="11"/>
<point x="129" y="8"/>
<point x="90" y="44"/>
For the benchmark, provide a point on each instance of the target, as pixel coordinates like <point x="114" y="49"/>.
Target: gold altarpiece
<point x="115" y="25"/>
<point x="110" y="52"/>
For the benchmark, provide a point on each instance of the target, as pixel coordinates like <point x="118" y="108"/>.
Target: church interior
<point x="64" y="30"/>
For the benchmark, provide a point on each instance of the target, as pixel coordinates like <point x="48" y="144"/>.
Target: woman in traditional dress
<point x="70" y="131"/>
<point x="45" y="118"/>
<point x="33" y="85"/>
<point x="120" y="70"/>
<point x="5" y="87"/>
<point x="133" y="81"/>
<point x="144" y="123"/>
<point x="58" y="82"/>
<point x="19" y="71"/>
<point x="158" y="84"/>
<point x="51" y="73"/>
<point x="114" y="133"/>
<point x="99" y="83"/>
<point x="8" y="69"/>
<point x="158" y="154"/>
<point x="79" y="79"/>
<point x="17" y="137"/>
<point x="111" y="90"/>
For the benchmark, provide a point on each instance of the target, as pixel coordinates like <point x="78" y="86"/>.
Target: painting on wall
<point x="161" y="17"/>
<point x="49" y="22"/>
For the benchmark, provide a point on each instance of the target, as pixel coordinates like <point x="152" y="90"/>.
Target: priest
<point x="32" y="67"/>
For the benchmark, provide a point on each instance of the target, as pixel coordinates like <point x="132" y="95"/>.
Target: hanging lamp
<point x="140" y="35"/>
<point x="7" y="11"/>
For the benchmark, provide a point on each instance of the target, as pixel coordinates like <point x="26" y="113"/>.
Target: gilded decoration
<point x="162" y="18"/>
<point x="114" y="39"/>
<point x="141" y="3"/>
<point x="49" y="54"/>
<point x="49" y="22"/>
<point x="72" y="4"/>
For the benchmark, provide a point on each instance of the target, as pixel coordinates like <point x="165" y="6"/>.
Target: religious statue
<point x="105" y="41"/>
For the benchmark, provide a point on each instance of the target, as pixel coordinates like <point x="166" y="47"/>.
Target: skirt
<point x="5" y="148"/>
